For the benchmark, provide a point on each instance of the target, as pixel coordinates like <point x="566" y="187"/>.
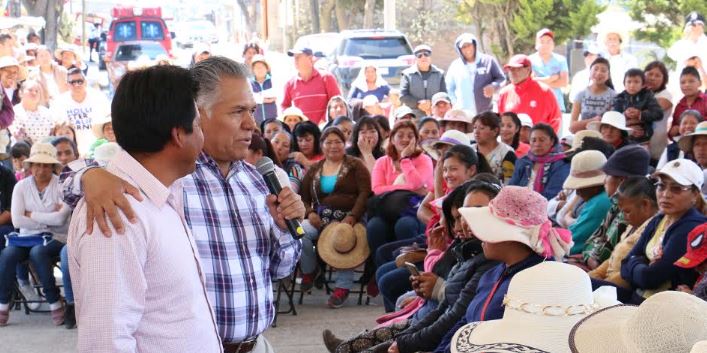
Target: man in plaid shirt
<point x="239" y="228"/>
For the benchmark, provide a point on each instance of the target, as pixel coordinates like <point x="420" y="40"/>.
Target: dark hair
<point x="307" y="127"/>
<point x="517" y="123"/>
<point x="547" y="129"/>
<point x="635" y="73"/>
<point x="486" y="183"/>
<point x="149" y="103"/>
<point x="490" y="119"/>
<point x="639" y="186"/>
<point x="366" y="121"/>
<point x="382" y="122"/>
<point x="656" y="64"/>
<point x="426" y="120"/>
<point x="31" y="35"/>
<point x="694" y="113"/>
<point x="690" y="70"/>
<point x="341" y="119"/>
<point x="332" y="130"/>
<point x="251" y="45"/>
<point x="274" y="120"/>
<point x="20" y="149"/>
<point x="596" y="144"/>
<point x="391" y="151"/>
<point x="603" y="61"/>
<point x="63" y="139"/>
<point x="469" y="157"/>
<point x="56" y="127"/>
<point x="455" y="199"/>
<point x="260" y="144"/>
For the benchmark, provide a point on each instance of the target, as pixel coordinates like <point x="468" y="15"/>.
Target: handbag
<point x="393" y="205"/>
<point x="27" y="241"/>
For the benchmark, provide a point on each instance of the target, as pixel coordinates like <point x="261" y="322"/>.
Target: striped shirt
<point x="311" y="96"/>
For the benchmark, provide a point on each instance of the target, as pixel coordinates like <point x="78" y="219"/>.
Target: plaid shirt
<point x="241" y="248"/>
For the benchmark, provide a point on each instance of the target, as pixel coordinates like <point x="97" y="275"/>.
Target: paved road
<point x="293" y="334"/>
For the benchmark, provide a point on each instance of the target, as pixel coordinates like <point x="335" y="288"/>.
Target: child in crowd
<point x="692" y="99"/>
<point x="263" y="92"/>
<point x="595" y="100"/>
<point x="696" y="258"/>
<point x="638" y="105"/>
<point x="20" y="152"/>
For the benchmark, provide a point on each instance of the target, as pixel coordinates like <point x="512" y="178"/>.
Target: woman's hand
<point x="349" y="220"/>
<point x="425" y="284"/>
<point x="409" y="150"/>
<point x="365" y="145"/>
<point x="314" y="220"/>
<point x="437" y="239"/>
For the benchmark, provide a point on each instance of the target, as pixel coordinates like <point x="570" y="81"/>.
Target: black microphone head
<point x="265" y="166"/>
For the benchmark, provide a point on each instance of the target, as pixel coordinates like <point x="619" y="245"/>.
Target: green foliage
<point x="663" y="20"/>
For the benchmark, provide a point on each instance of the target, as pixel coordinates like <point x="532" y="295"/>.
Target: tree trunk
<point x="314" y="8"/>
<point x="369" y="11"/>
<point x="342" y="17"/>
<point x="50" y="10"/>
<point x="250" y="17"/>
<point x="325" y="15"/>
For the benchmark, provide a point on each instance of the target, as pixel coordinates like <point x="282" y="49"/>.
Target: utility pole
<point x="83" y="27"/>
<point x="389" y="15"/>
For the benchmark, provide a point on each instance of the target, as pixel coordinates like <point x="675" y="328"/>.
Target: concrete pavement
<point x="294" y="334"/>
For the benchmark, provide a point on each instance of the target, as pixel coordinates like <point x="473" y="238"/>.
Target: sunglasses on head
<point x="78" y="82"/>
<point x="423" y="54"/>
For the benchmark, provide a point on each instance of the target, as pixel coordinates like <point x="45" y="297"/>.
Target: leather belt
<point x="240" y="347"/>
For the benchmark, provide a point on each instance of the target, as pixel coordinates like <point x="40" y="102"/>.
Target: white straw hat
<point x="669" y="321"/>
<point x="542" y="305"/>
<point x="684" y="171"/>
<point x="342" y="246"/>
<point x="97" y="126"/>
<point x="42" y="153"/>
<point x="449" y="137"/>
<point x="456" y="115"/>
<point x="580" y="136"/>
<point x="686" y="141"/>
<point x="586" y="170"/>
<point x="610" y="118"/>
<point x="292" y="111"/>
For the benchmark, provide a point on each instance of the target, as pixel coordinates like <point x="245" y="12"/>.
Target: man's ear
<point x="178" y="136"/>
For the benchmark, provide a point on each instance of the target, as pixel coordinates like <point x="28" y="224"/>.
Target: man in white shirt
<point x="619" y="60"/>
<point x="693" y="44"/>
<point x="145" y="291"/>
<point x="80" y="106"/>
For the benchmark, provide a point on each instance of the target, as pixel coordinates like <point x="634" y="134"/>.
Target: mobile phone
<point x="412" y="268"/>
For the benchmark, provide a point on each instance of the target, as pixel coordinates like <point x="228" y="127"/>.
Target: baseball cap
<point x="300" y="50"/>
<point x="696" y="248"/>
<point x="7" y="61"/>
<point x="694" y="18"/>
<point x="545" y="32"/>
<point x="519" y="60"/>
<point x="592" y="49"/>
<point x="525" y="120"/>
<point x="567" y="140"/>
<point x="440" y="96"/>
<point x="422" y="47"/>
<point x="684" y="171"/>
<point x="403" y="111"/>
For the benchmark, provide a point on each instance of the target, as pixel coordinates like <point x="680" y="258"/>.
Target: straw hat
<point x="580" y="136"/>
<point x="542" y="305"/>
<point x="699" y="347"/>
<point x="7" y="61"/>
<point x="669" y="321"/>
<point x="611" y="118"/>
<point x="684" y="171"/>
<point x="518" y="214"/>
<point x="449" y="137"/>
<point x="686" y="141"/>
<point x="292" y="111"/>
<point x="70" y="48"/>
<point x="42" y="153"/>
<point x="456" y="115"/>
<point x="97" y="126"/>
<point x="586" y="171"/>
<point x="342" y="246"/>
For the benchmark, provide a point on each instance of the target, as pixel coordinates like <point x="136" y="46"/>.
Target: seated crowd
<point x="481" y="228"/>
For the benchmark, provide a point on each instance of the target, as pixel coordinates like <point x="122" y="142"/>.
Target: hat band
<point x="450" y="140"/>
<point x="549" y="310"/>
<point x="44" y="153"/>
<point x="587" y="174"/>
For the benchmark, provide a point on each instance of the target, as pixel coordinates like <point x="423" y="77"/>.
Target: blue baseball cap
<point x="300" y="50"/>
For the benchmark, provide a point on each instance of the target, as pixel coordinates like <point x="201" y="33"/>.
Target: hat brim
<point x="58" y="52"/>
<point x="40" y="159"/>
<point x="546" y="334"/>
<point x="350" y="260"/>
<point x="490" y="229"/>
<point x="678" y="178"/>
<point x="602" y="331"/>
<point x="690" y="260"/>
<point x="575" y="183"/>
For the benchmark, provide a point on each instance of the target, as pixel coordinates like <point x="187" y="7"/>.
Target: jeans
<point x="22" y="269"/>
<point x="41" y="256"/>
<point x="308" y="260"/>
<point x="392" y="283"/>
<point x="66" y="276"/>
<point x="380" y="232"/>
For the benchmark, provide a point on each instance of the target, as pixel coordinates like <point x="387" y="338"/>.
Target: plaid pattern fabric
<point x="241" y="248"/>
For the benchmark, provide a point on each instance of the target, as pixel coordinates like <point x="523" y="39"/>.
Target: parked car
<point x="193" y="32"/>
<point x="389" y="51"/>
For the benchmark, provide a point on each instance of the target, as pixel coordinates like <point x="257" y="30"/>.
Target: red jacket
<point x="700" y="104"/>
<point x="311" y="96"/>
<point x="532" y="98"/>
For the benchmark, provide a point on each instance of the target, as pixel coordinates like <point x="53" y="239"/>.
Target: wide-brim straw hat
<point x="586" y="170"/>
<point x="292" y="111"/>
<point x="69" y="48"/>
<point x="449" y="137"/>
<point x="342" y="246"/>
<point x="42" y="153"/>
<point x="687" y="141"/>
<point x="580" y="136"/>
<point x="97" y="126"/>
<point x="456" y="115"/>
<point x="611" y="118"/>
<point x="542" y="305"/>
<point x="669" y="321"/>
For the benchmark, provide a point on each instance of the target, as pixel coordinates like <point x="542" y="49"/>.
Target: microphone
<point x="266" y="168"/>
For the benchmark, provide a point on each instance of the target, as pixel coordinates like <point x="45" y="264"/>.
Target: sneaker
<point x="70" y="317"/>
<point x="4" y="316"/>
<point x="307" y="282"/>
<point x="372" y="288"/>
<point x="31" y="295"/>
<point x="338" y="298"/>
<point x="58" y="316"/>
<point x="330" y="341"/>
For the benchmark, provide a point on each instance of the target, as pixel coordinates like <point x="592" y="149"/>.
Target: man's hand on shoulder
<point x="104" y="196"/>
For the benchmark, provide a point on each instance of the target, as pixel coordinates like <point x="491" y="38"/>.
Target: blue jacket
<point x="494" y="285"/>
<point x="636" y="269"/>
<point x="267" y="110"/>
<point x="459" y="86"/>
<point x="557" y="174"/>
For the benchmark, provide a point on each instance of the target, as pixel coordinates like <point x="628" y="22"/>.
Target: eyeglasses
<point x="673" y="188"/>
<point x="423" y="54"/>
<point x="78" y="82"/>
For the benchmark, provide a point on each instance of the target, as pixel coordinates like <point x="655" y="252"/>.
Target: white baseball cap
<point x="525" y="120"/>
<point x="684" y="171"/>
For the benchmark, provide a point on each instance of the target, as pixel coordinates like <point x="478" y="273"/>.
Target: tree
<point x="369" y="10"/>
<point x="51" y="11"/>
<point x="250" y="12"/>
<point x="662" y="21"/>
